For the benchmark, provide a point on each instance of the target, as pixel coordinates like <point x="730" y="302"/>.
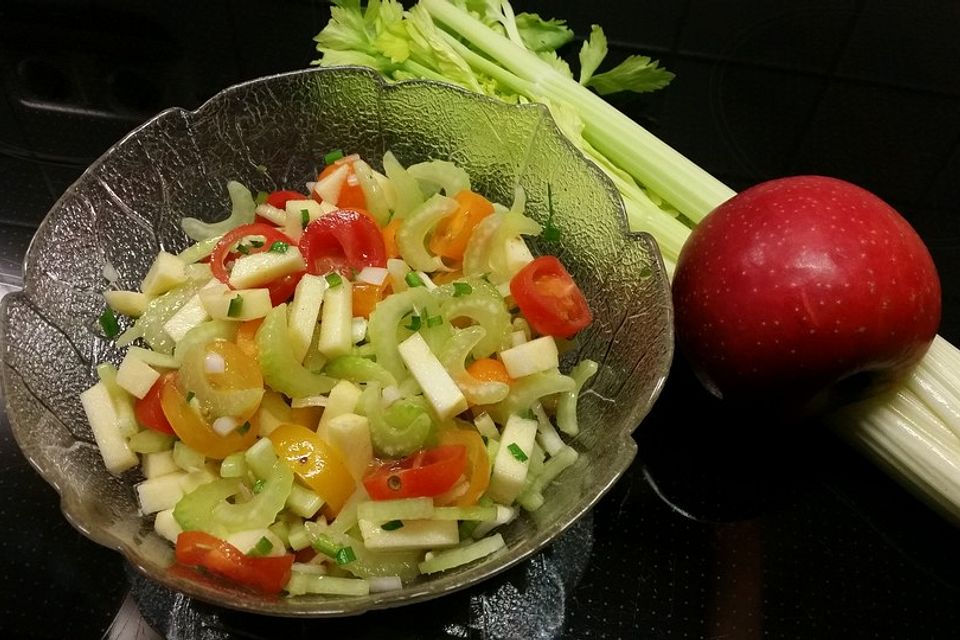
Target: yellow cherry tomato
<point x="234" y="392"/>
<point x="193" y="429"/>
<point x="316" y="463"/>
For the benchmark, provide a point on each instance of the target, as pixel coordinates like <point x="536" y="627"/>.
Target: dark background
<point x="727" y="525"/>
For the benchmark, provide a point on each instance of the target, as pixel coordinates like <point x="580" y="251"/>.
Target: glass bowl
<point x="272" y="133"/>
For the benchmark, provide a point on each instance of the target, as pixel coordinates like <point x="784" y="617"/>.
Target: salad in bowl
<point x="326" y="345"/>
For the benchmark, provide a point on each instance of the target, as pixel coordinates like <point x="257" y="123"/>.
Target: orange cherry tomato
<point x="478" y="463"/>
<point x="194" y="430"/>
<point x="489" y="370"/>
<point x="315" y="462"/>
<point x="351" y="194"/>
<point x="450" y="238"/>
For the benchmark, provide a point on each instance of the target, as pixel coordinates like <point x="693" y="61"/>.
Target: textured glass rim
<point x="438" y="586"/>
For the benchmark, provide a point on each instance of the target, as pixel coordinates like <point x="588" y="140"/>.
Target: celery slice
<point x="150" y="441"/>
<point x="435" y="175"/>
<point x="379" y="511"/>
<point x="158" y="312"/>
<point x="412" y="234"/>
<point x="358" y="369"/>
<point x="281" y="369"/>
<point x="372" y="192"/>
<point x="302" y="583"/>
<point x="402" y="428"/>
<point x="261" y="510"/>
<point x="462" y="555"/>
<point x="242" y="212"/>
<point x="376" y="564"/>
<point x="409" y="195"/>
<point x="203" y="334"/>
<point x="122" y="401"/>
<point x="193" y="511"/>
<point x="303" y="502"/>
<point x="453" y="356"/>
<point x="475" y="513"/>
<point x="233" y="466"/>
<point x="187" y="458"/>
<point x="384" y="325"/>
<point x="485" y="307"/>
<point x="527" y="391"/>
<point x="567" y="402"/>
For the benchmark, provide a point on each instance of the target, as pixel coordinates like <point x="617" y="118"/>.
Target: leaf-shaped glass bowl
<point x="272" y="133"/>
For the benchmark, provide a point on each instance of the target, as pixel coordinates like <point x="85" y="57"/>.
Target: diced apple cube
<point x="260" y="268"/>
<point x="166" y="272"/>
<point x="129" y="303"/>
<point x="136" y="376"/>
<point x="531" y="357"/>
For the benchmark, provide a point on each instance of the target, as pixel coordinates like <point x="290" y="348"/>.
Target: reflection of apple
<point x="803" y="285"/>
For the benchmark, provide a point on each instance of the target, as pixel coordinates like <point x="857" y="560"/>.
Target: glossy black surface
<point x="727" y="525"/>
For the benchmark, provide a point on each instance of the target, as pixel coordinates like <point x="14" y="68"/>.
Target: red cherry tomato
<point x="149" y="410"/>
<point x="279" y="199"/>
<point x="342" y="240"/>
<point x="424" y="474"/>
<point x="268" y="573"/>
<point x="228" y="242"/>
<point x="549" y="298"/>
<point x="281" y="289"/>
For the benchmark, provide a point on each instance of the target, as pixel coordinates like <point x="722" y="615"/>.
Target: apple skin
<point x="804" y="292"/>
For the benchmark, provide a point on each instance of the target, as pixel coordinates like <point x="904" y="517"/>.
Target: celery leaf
<point x="592" y="53"/>
<point x="543" y="35"/>
<point x="636" y="73"/>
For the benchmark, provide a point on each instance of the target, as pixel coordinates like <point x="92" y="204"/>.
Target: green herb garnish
<point x="334" y="279"/>
<point x="517" y="452"/>
<point x="461" y="289"/>
<point x="333" y="156"/>
<point x="393" y="525"/>
<point x="413" y="279"/>
<point x="235" y="307"/>
<point x="109" y="324"/>
<point x="279" y="247"/>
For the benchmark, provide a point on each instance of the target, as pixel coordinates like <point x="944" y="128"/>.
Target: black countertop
<point x="725" y="526"/>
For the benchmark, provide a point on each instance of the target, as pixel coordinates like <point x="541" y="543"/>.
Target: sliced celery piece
<point x="357" y="369"/>
<point x="400" y="429"/>
<point x="194" y="511"/>
<point x="150" y="441"/>
<point x="302" y="583"/>
<point x="261" y="510"/>
<point x="187" y="458"/>
<point x="202" y="334"/>
<point x="476" y="513"/>
<point x="242" y="211"/>
<point x="378" y="511"/>
<point x="527" y="391"/>
<point x="234" y="466"/>
<point x="385" y="321"/>
<point x="303" y="502"/>
<point x="123" y="401"/>
<point x="567" y="403"/>
<point x="281" y="369"/>
<point x="260" y="457"/>
<point x="453" y="357"/>
<point x="485" y="307"/>
<point x="462" y="555"/>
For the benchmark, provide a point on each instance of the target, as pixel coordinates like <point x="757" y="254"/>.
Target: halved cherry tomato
<point x="549" y="298"/>
<point x="268" y="573"/>
<point x="279" y="199"/>
<point x="342" y="240"/>
<point x="426" y="473"/>
<point x="191" y="427"/>
<point x="315" y="462"/>
<point x="351" y="193"/>
<point x="489" y="370"/>
<point x="282" y="289"/>
<point x="227" y="244"/>
<point x="450" y="238"/>
<point x="366" y="296"/>
<point x="478" y="474"/>
<point x="149" y="411"/>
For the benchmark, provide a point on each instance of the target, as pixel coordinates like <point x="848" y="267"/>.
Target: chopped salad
<point x="337" y="391"/>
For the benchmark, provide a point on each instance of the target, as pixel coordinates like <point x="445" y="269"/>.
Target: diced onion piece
<point x="214" y="363"/>
<point x="224" y="425"/>
<point x="385" y="583"/>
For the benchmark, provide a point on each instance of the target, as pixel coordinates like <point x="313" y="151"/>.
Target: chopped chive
<point x="393" y="525"/>
<point x="413" y="279"/>
<point x="434" y="321"/>
<point x="345" y="555"/>
<point x="244" y="249"/>
<point x="236" y="306"/>
<point x="528" y="414"/>
<point x="304" y="218"/>
<point x="262" y="548"/>
<point x="242" y="429"/>
<point x="258" y="485"/>
<point x="414" y="323"/>
<point x="190" y="395"/>
<point x="550" y="231"/>
<point x="333" y="156"/>
<point x="279" y="247"/>
<point x="517" y="452"/>
<point x="334" y="279"/>
<point x="109" y="324"/>
<point x="461" y="289"/>
<point x="256" y="243"/>
<point x="261" y="197"/>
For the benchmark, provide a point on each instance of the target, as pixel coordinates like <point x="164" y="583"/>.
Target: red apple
<point x="804" y="288"/>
